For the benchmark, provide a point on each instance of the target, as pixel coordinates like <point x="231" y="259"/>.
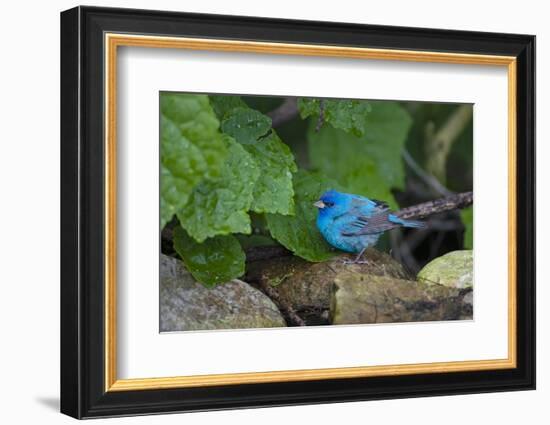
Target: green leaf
<point x="299" y="232"/>
<point x="214" y="261"/>
<point x="224" y="104"/>
<point x="273" y="191"/>
<point x="192" y="149"/>
<point x="219" y="206"/>
<point x="348" y="115"/>
<point x="370" y="165"/>
<point x="467" y="216"/>
<point x="245" y="125"/>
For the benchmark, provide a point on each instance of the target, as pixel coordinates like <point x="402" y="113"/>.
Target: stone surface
<point x="454" y="269"/>
<point x="187" y="305"/>
<point x="307" y="286"/>
<point x="357" y="299"/>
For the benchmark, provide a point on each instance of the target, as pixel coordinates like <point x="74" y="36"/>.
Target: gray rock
<point x="187" y="305"/>
<point x="307" y="286"/>
<point x="454" y="269"/>
<point x="361" y="299"/>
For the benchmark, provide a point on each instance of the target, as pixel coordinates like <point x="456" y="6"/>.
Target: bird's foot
<point x="357" y="259"/>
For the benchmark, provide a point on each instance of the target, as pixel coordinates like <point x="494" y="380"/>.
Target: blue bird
<point x="352" y="223"/>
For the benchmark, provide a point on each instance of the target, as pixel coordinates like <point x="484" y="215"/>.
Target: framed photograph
<point x="261" y="212"/>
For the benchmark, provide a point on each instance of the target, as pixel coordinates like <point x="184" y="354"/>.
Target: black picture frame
<point x="83" y="392"/>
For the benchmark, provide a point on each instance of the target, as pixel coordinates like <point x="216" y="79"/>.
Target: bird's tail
<point x="407" y="223"/>
<point x="415" y="224"/>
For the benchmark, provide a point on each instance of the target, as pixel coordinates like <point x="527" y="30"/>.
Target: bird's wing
<point x="367" y="216"/>
<point x="361" y="206"/>
<point x="376" y="223"/>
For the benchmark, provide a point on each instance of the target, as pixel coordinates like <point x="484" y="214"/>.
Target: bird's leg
<point x="356" y="259"/>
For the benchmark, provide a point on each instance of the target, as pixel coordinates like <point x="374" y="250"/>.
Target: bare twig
<point x="427" y="178"/>
<point x="285" y="112"/>
<point x="453" y="202"/>
<point x="439" y="146"/>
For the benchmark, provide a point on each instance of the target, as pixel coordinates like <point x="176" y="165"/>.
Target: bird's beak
<point x="319" y="204"/>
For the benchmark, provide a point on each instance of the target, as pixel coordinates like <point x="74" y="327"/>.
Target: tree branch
<point x="439" y="145"/>
<point x="287" y="111"/>
<point x="453" y="202"/>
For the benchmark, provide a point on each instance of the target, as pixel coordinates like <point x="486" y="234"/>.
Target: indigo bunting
<point x="352" y="223"/>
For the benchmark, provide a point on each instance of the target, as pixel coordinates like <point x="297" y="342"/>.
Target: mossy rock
<point x="454" y="269"/>
<point x="381" y="299"/>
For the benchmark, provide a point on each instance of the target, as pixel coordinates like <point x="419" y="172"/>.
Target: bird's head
<point x="333" y="203"/>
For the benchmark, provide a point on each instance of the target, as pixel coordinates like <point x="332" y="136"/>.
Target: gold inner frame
<point x="113" y="41"/>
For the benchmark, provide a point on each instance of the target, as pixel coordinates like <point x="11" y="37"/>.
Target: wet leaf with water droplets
<point x="245" y="125"/>
<point x="225" y="104"/>
<point x="192" y="149"/>
<point x="349" y="115"/>
<point x="273" y="190"/>
<point x="214" y="261"/>
<point x="219" y="206"/>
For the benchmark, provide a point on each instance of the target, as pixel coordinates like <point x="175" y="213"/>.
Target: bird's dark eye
<point x="329" y="204"/>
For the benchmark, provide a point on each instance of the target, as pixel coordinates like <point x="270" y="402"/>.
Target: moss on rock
<point x="454" y="269"/>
